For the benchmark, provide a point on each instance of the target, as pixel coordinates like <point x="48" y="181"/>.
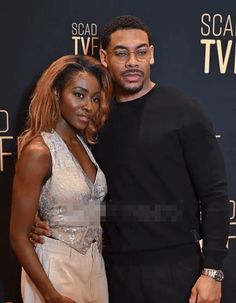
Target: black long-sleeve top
<point x="166" y="176"/>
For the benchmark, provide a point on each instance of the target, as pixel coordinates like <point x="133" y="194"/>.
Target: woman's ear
<point x="56" y="95"/>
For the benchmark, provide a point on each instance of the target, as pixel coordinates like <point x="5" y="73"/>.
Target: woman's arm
<point x="32" y="168"/>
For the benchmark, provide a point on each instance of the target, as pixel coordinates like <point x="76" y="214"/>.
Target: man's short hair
<point x="123" y="22"/>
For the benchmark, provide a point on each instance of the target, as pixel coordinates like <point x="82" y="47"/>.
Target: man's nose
<point x="132" y="60"/>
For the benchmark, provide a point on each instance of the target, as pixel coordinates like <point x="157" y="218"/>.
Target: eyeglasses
<point x="122" y="55"/>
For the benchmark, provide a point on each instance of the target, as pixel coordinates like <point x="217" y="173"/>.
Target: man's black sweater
<point x="166" y="176"/>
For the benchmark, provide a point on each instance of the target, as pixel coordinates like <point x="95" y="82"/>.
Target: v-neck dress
<point x="69" y="200"/>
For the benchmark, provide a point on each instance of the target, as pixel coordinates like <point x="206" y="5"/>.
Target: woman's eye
<point x="96" y="99"/>
<point x="79" y="95"/>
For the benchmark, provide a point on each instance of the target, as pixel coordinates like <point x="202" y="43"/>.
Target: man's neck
<point x="125" y="96"/>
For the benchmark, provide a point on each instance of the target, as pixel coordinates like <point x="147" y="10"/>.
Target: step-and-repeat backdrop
<point x="195" y="50"/>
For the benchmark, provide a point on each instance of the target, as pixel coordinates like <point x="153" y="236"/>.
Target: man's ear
<point x="103" y="57"/>
<point x="152" y="60"/>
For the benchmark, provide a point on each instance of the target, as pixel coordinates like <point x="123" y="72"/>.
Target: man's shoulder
<point x="170" y="101"/>
<point x="170" y="96"/>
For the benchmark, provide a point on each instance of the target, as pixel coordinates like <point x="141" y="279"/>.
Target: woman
<point x="57" y="176"/>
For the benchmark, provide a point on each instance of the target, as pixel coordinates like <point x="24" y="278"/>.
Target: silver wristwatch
<point x="218" y="275"/>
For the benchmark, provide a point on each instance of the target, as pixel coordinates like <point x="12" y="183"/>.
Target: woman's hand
<point x="60" y="299"/>
<point x="67" y="300"/>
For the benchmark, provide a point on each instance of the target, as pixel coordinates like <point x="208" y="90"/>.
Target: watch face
<point x="219" y="276"/>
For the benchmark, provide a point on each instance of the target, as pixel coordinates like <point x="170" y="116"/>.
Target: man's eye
<point x="121" y="54"/>
<point x="141" y="52"/>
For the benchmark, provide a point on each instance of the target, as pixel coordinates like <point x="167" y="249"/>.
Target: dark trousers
<point x="163" y="276"/>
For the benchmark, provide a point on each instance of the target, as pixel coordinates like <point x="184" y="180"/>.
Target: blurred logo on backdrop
<point x="85" y="38"/>
<point x="4" y="138"/>
<point x="218" y="32"/>
<point x="232" y="232"/>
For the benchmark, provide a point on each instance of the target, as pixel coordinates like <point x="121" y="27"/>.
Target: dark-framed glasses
<point x="122" y="55"/>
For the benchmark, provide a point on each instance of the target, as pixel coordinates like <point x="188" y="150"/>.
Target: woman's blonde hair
<point x="44" y="110"/>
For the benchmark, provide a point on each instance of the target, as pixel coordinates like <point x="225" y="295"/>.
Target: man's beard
<point x="130" y="90"/>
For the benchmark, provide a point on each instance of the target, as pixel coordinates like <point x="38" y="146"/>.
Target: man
<point x="166" y="181"/>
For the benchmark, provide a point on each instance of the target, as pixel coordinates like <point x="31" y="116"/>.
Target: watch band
<point x="217" y="275"/>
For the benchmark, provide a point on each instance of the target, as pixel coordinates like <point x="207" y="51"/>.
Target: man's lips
<point x="132" y="76"/>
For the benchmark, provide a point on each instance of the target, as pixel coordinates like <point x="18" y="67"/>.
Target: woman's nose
<point x="87" y="104"/>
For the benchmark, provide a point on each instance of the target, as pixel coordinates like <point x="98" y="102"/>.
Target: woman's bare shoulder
<point x="36" y="150"/>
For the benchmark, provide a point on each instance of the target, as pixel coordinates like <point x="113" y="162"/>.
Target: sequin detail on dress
<point x="69" y="200"/>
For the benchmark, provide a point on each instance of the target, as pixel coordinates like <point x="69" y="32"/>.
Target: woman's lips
<point x="84" y="118"/>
